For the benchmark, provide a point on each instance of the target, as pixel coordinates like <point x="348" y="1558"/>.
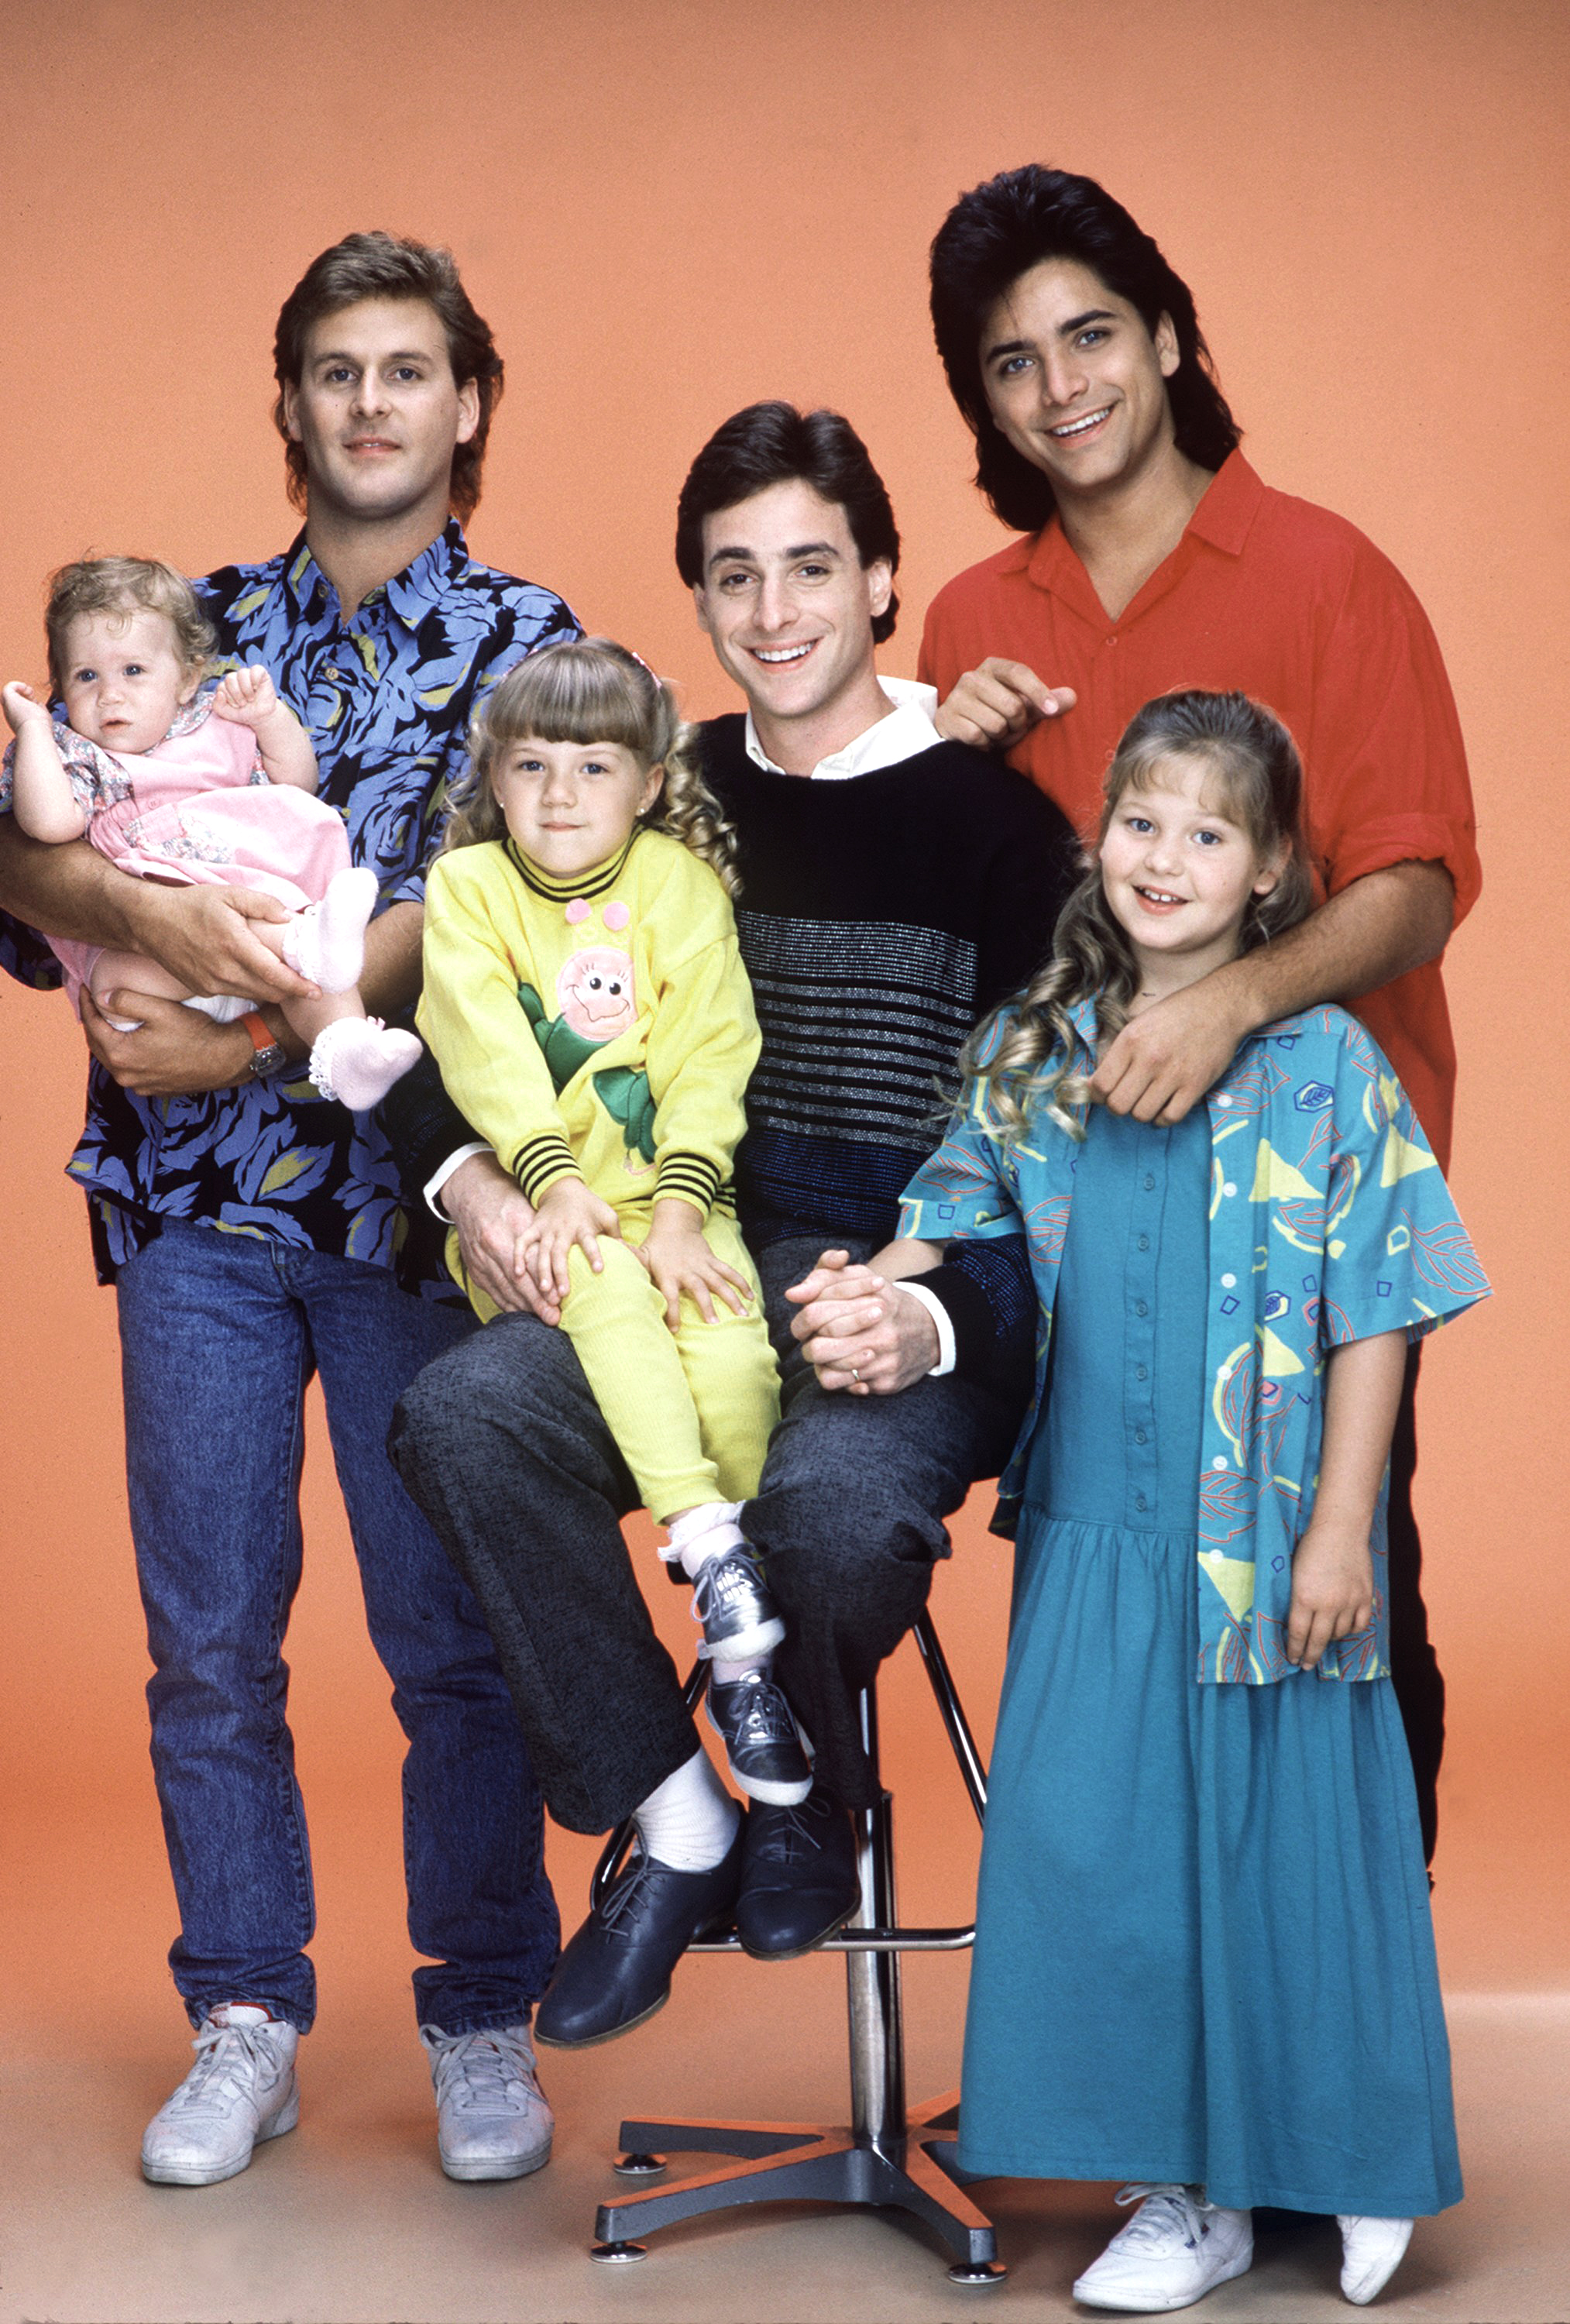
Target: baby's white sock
<point x="688" y="1821"/>
<point x="699" y="1535"/>
<point x="327" y="943"/>
<point x="357" y="1059"/>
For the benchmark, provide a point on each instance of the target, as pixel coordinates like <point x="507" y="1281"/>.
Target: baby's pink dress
<point x="197" y="810"/>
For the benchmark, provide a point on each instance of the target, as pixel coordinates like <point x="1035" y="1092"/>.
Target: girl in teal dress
<point x="1204" y="1958"/>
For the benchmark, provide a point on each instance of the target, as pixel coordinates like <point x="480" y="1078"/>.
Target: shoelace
<point x="226" y="2056"/>
<point x="624" y="1907"/>
<point x="478" y="2073"/>
<point x="723" y="1581"/>
<point x="766" y="1715"/>
<point x="1166" y="2207"/>
<point x="790" y="1838"/>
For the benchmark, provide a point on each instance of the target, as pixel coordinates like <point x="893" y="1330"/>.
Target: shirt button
<point x="332" y="673"/>
<point x="1230" y="1188"/>
<point x="1144" y="1243"/>
<point x="1139" y="1435"/>
<point x="1149" y="1183"/>
<point x="1219" y="1461"/>
<point x="1229" y="1283"/>
<point x="1223" y="1099"/>
<point x="1141" y="1371"/>
<point x="1139" y="1501"/>
<point x="1142" y="1307"/>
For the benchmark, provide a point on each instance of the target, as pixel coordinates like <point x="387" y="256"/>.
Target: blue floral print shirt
<point x="388" y="693"/>
<point x="1329" y="1222"/>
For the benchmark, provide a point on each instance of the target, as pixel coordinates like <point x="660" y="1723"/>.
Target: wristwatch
<point x="268" y="1055"/>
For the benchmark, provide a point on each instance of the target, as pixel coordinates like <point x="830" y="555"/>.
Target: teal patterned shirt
<point x="388" y="696"/>
<point x="1329" y="1222"/>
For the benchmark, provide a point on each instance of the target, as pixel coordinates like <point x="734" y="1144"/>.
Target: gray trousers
<point x="501" y="1444"/>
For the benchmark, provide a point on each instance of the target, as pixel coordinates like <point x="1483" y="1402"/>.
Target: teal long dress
<point x="1204" y="1950"/>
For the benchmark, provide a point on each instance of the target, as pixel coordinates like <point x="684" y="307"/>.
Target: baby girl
<point x="176" y="786"/>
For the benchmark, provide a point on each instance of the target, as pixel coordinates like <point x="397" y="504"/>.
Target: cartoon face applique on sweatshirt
<point x="596" y="994"/>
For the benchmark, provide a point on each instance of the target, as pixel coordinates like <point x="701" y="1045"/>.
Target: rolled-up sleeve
<point x="1388" y="779"/>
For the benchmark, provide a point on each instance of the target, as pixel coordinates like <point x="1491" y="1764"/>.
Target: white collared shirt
<point x="907" y="730"/>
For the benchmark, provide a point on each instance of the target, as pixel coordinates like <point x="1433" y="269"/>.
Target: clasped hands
<point x="855" y="1326"/>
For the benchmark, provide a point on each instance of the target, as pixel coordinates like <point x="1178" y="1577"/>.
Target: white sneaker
<point x="1175" y="2249"/>
<point x="1371" y="2252"/>
<point x="494" y="2121"/>
<point x="241" y="2089"/>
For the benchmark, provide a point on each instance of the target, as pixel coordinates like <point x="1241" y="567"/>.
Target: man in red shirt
<point x="1154" y="558"/>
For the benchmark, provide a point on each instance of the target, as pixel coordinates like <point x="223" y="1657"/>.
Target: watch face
<point x="266" y="1062"/>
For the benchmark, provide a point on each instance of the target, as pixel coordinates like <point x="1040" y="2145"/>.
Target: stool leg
<point x="872" y="1980"/>
<point x="886" y="2159"/>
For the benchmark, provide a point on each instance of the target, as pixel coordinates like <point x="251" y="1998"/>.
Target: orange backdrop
<point x="667" y="211"/>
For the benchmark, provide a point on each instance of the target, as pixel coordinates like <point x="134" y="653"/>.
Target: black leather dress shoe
<point x="617" y="1970"/>
<point x="799" y="1880"/>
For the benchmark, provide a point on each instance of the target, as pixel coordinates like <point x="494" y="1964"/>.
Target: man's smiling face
<point x="1073" y="378"/>
<point x="787" y="602"/>
<point x="377" y="409"/>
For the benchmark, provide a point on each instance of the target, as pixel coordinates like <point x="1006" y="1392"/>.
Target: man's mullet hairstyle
<point x="389" y="266"/>
<point x="998" y="232"/>
<point x="775" y="444"/>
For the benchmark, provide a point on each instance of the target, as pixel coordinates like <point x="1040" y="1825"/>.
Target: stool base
<point x="791" y="2162"/>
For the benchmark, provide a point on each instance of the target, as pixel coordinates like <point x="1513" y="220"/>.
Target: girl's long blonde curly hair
<point x="593" y="690"/>
<point x="1042" y="1062"/>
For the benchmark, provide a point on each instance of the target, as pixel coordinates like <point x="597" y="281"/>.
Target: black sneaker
<point x="754" y="1721"/>
<point x="732" y="1599"/>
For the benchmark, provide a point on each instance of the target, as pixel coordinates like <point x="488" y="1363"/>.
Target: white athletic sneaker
<point x="1371" y="2252"/>
<point x="493" y="2120"/>
<point x="1175" y="2249"/>
<point x="241" y="2090"/>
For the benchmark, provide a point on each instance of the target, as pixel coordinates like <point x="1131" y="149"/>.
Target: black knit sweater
<point x="880" y="916"/>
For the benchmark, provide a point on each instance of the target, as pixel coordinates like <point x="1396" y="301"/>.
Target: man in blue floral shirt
<point x="255" y="1233"/>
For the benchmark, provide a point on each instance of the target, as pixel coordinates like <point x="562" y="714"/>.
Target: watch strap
<point x="269" y="1050"/>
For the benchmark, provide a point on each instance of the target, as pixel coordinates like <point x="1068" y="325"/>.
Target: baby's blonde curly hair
<point x="126" y="585"/>
<point x="593" y="690"/>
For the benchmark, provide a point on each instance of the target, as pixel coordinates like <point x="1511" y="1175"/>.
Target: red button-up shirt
<point x="1287" y="603"/>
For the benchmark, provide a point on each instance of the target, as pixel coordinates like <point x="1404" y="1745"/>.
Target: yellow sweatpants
<point x="692" y="1410"/>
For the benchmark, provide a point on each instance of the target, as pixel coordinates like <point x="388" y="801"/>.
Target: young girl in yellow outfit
<point x="585" y="997"/>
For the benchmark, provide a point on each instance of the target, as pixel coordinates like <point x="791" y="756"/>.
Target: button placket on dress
<point x="1142" y="1256"/>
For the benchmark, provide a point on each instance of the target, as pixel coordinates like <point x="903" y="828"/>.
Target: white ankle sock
<point x="727" y="1673"/>
<point x="689" y="1820"/>
<point x="327" y="942"/>
<point x="701" y="1535"/>
<point x="357" y="1059"/>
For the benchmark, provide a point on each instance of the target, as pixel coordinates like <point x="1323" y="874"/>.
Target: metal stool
<point x="890" y="2155"/>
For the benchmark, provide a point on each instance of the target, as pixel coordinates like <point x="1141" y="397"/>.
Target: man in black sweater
<point x="895" y="886"/>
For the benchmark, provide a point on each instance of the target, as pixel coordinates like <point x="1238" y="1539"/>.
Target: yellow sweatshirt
<point x="600" y="1027"/>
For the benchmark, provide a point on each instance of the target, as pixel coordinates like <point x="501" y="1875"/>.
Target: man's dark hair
<point x="775" y="444"/>
<point x="998" y="232"/>
<point x="388" y="266"/>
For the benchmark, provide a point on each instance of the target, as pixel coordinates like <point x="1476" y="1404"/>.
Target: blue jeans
<point x="219" y="1336"/>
